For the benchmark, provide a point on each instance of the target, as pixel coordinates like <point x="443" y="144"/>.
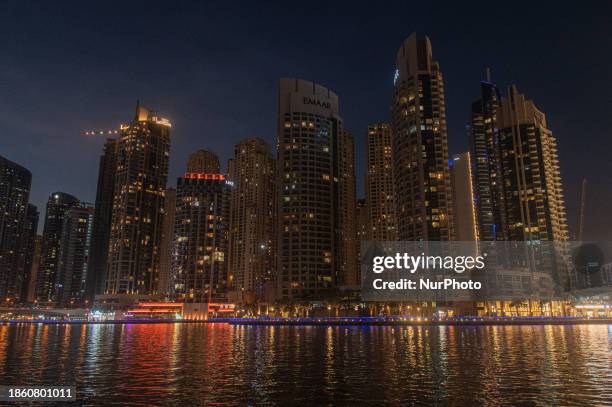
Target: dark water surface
<point x="219" y="364"/>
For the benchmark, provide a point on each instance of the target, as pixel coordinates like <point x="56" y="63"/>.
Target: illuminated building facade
<point x="533" y="193"/>
<point x="252" y="243"/>
<point x="485" y="154"/>
<point x="98" y="255"/>
<point x="379" y="182"/>
<point x="75" y="245"/>
<point x="57" y="206"/>
<point x="15" y="182"/>
<point x="200" y="249"/>
<point x="313" y="164"/>
<point x="420" y="146"/>
<point x="143" y="152"/>
<point x="534" y="206"/>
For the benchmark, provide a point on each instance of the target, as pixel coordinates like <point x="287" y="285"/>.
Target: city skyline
<point x="535" y="69"/>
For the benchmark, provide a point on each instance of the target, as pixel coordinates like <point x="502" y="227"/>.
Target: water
<point x="219" y="364"/>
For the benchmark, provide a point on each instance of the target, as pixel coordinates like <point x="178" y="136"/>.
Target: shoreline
<point x="335" y="321"/>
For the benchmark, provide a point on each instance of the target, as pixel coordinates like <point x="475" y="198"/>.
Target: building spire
<point x="488" y="74"/>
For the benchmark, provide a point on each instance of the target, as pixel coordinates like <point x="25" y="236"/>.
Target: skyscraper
<point x="57" y="206"/>
<point x="200" y="252"/>
<point x="203" y="161"/>
<point x="420" y="146"/>
<point x="311" y="167"/>
<point x="533" y="206"/>
<point x="533" y="194"/>
<point x="486" y="163"/>
<point x="143" y="152"/>
<point x="379" y="183"/>
<point x="98" y="255"/>
<point x="15" y="183"/>
<point x="74" y="249"/>
<point x="252" y="243"/>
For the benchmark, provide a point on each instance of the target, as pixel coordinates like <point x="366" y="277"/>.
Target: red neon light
<point x="160" y="304"/>
<point x="202" y="175"/>
<point x="153" y="311"/>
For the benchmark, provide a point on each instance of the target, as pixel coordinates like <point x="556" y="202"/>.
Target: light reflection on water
<point x="199" y="364"/>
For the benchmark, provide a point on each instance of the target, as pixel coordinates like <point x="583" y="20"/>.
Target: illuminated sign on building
<point x="316" y="102"/>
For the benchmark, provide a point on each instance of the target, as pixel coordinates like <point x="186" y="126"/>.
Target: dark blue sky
<point x="213" y="69"/>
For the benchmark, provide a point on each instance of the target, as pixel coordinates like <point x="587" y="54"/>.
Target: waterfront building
<point x="534" y="205"/>
<point x="251" y="234"/>
<point x="312" y="202"/>
<point x="15" y="182"/>
<point x="200" y="248"/>
<point x="420" y="146"/>
<point x="57" y="206"/>
<point x="98" y="254"/>
<point x="74" y="250"/>
<point x="143" y="152"/>
<point x="379" y="182"/>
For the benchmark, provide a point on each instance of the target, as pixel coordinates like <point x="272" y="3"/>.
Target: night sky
<point x="213" y="71"/>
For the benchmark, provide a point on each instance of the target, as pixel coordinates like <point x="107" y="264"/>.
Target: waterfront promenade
<point x="339" y="321"/>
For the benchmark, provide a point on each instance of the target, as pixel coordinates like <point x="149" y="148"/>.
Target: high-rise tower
<point x="15" y="183"/>
<point x="533" y="193"/>
<point x="312" y="165"/>
<point x="420" y="146"/>
<point x="57" y="206"/>
<point x="252" y="243"/>
<point x="143" y="152"/>
<point x="98" y="257"/>
<point x="75" y="244"/>
<point x="379" y="183"/>
<point x="486" y="168"/>
<point x="200" y="248"/>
